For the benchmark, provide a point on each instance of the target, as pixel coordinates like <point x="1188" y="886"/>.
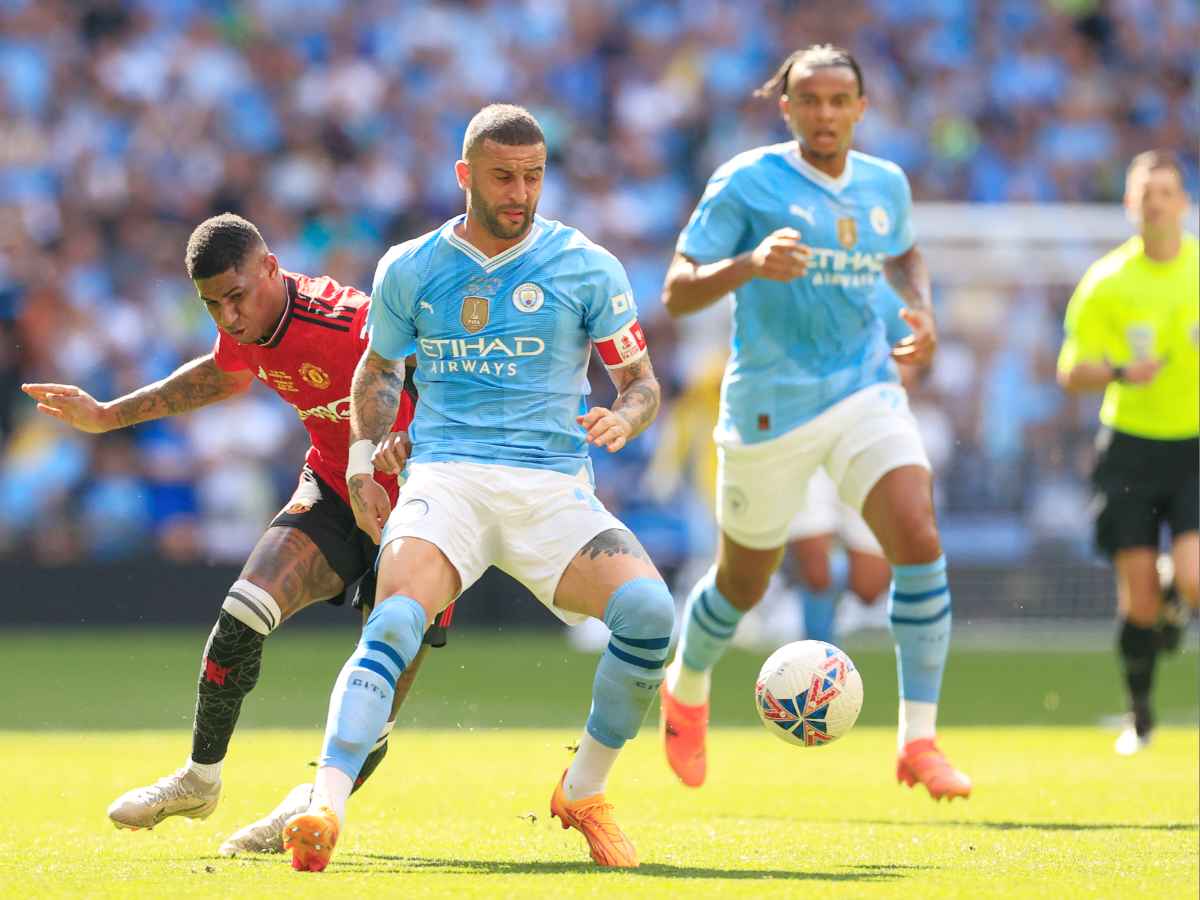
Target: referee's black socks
<point x="1138" y="647"/>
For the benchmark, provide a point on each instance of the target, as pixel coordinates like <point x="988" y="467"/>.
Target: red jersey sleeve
<point x="226" y="354"/>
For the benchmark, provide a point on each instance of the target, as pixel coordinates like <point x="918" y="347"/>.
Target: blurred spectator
<point x="334" y="126"/>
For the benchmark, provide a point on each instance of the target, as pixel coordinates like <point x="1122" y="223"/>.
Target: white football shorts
<point x="760" y="487"/>
<point x="528" y="522"/>
<point x="825" y="513"/>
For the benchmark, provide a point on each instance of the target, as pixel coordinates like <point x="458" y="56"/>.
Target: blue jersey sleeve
<point x="718" y="224"/>
<point x="887" y="305"/>
<point x="391" y="324"/>
<point x="611" y="314"/>
<point x="902" y="234"/>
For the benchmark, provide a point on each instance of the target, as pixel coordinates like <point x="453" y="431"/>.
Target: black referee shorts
<point x="320" y="512"/>
<point x="1141" y="484"/>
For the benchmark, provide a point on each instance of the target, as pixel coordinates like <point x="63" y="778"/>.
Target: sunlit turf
<point x="465" y="813"/>
<point x="128" y="679"/>
<point x="460" y="807"/>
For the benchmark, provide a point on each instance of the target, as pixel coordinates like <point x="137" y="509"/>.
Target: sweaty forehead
<point x="518" y="157"/>
<point x="806" y="79"/>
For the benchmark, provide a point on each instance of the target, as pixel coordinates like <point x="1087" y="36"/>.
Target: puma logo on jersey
<point x="425" y="306"/>
<point x="803" y="212"/>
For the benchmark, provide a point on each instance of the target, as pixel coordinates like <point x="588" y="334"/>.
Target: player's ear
<point x="462" y="172"/>
<point x="270" y="264"/>
<point x="785" y="108"/>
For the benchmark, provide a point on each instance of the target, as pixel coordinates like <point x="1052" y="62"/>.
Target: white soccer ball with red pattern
<point x="808" y="693"/>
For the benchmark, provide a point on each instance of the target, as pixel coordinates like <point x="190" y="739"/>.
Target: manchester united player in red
<point x="301" y="337"/>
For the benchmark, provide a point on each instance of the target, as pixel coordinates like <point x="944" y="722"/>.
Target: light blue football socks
<point x="709" y="622"/>
<point x="819" y="607"/>
<point x="362" y="695"/>
<point x="641" y="615"/>
<point x="919" y="607"/>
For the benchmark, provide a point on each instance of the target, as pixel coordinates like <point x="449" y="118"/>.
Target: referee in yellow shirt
<point x="1132" y="331"/>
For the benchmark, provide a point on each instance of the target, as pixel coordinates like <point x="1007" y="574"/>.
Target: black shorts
<point x="320" y="512"/>
<point x="1142" y="484"/>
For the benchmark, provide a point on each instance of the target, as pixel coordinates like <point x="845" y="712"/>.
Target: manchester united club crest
<point x="474" y="315"/>
<point x="847" y="232"/>
<point x="315" y="376"/>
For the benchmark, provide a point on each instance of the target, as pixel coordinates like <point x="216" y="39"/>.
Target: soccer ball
<point x="808" y="693"/>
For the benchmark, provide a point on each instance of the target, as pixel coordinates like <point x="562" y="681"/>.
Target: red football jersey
<point x="310" y="362"/>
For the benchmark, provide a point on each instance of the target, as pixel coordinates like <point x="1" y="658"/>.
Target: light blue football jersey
<point x="502" y="344"/>
<point x="801" y="346"/>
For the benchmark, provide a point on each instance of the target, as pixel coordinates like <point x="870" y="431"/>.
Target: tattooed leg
<point x="285" y="573"/>
<point x="602" y="565"/>
<point x="612" y="578"/>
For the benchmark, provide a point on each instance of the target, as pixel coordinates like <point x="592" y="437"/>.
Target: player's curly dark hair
<point x="815" y="56"/>
<point x="512" y="126"/>
<point x="220" y="243"/>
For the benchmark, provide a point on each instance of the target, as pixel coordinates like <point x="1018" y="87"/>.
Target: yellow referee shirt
<point x="1130" y="307"/>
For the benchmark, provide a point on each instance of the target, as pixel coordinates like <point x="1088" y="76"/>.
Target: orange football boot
<point x="921" y="761"/>
<point x="684" y="728"/>
<point x="594" y="817"/>
<point x="311" y="836"/>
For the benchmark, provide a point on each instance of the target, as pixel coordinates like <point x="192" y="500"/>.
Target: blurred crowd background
<point x="333" y="125"/>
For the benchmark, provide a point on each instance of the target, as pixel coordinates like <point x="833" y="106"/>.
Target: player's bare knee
<point x="814" y="571"/>
<point x="868" y="585"/>
<point x="742" y="589"/>
<point x="917" y="541"/>
<point x="253" y="606"/>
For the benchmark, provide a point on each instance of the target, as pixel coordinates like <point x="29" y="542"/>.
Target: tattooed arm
<point x="375" y="396"/>
<point x="193" y="385"/>
<point x="374" y="401"/>
<point x="909" y="275"/>
<point x="638" y="398"/>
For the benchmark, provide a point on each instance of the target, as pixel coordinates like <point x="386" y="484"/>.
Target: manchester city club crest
<point x="474" y="315"/>
<point x="880" y="220"/>
<point x="528" y="297"/>
<point x="847" y="232"/>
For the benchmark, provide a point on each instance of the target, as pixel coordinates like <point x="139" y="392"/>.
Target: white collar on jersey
<point x="812" y="173"/>
<point x="492" y="263"/>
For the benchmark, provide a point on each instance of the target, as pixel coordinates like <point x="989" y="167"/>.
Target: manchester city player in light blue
<point x="824" y="518"/>
<point x="800" y="233"/>
<point x="502" y="308"/>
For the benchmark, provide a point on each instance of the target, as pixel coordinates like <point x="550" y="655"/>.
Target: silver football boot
<point x="182" y="793"/>
<point x="266" y="835"/>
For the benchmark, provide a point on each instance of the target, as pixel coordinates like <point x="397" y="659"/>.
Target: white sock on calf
<point x="917" y="720"/>
<point x="589" y="769"/>
<point x="208" y="772"/>
<point x="331" y="788"/>
<point x="687" y="685"/>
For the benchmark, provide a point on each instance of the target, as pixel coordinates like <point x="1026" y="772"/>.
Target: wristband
<point x="359" y="462"/>
<point x="1118" y="373"/>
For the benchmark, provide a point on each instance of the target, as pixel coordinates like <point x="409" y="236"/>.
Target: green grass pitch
<point x="460" y="807"/>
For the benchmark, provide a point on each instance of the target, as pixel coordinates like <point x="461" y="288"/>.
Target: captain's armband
<point x="623" y="346"/>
